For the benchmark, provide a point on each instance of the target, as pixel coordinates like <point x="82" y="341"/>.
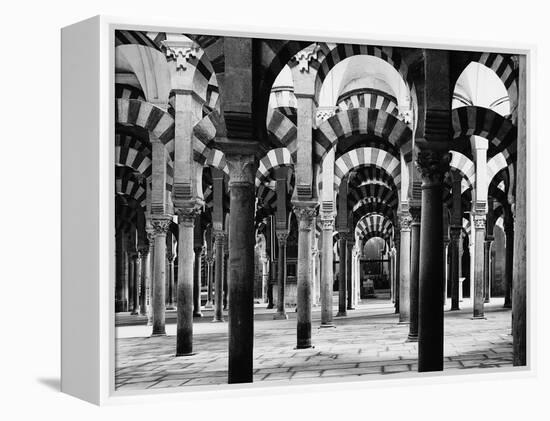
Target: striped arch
<point x="372" y="193"/>
<point x="483" y="122"/>
<point x="275" y="158"/>
<point x="339" y="52"/>
<point x="267" y="198"/>
<point x="132" y="153"/>
<point x="367" y="156"/>
<point x="374" y="225"/>
<point x="466" y="168"/>
<point x="361" y="121"/>
<point x="129" y="184"/>
<point x="494" y="166"/>
<point x="365" y="208"/>
<point x="368" y="98"/>
<point x="283" y="100"/>
<point x="504" y="68"/>
<point x="147" y="116"/>
<point x="136" y="38"/>
<point x="126" y="91"/>
<point x="216" y="159"/>
<point x="283" y="129"/>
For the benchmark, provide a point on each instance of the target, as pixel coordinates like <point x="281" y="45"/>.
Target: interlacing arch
<point x="282" y="129"/>
<point x="466" y="168"/>
<point x="368" y="98"/>
<point x="357" y="121"/>
<point x="131" y="184"/>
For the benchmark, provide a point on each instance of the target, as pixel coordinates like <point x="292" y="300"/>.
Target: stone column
<point x="170" y="295"/>
<point x="509" y="263"/>
<point x="454" y="247"/>
<point x="349" y="260"/>
<point x="479" y="266"/>
<point x="197" y="281"/>
<point x="281" y="277"/>
<point x="219" y="240"/>
<point x="184" y="301"/>
<point x="225" y="300"/>
<point x="342" y="276"/>
<point x="137" y="283"/>
<point x="432" y="166"/>
<point x="120" y="304"/>
<point x="446" y="243"/>
<point x="305" y="214"/>
<point x="150" y="275"/>
<point x="131" y="280"/>
<point x="397" y="259"/>
<point x="327" y="269"/>
<point x="405" y="269"/>
<point x="144" y="258"/>
<point x="487" y="266"/>
<point x="160" y="224"/>
<point x="415" y="260"/>
<point x="519" y="286"/>
<point x="209" y="282"/>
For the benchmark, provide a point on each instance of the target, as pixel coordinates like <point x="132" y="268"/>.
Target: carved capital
<point x="282" y="237"/>
<point x="242" y="169"/>
<point x="305" y="57"/>
<point x="479" y="222"/>
<point x="305" y="215"/>
<point x="187" y="216"/>
<point x="405" y="222"/>
<point x="219" y="236"/>
<point x="160" y="225"/>
<point x="182" y="52"/>
<point x="432" y="165"/>
<point x="327" y="221"/>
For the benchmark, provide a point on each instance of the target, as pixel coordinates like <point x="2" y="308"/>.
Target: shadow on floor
<point x="53" y="383"/>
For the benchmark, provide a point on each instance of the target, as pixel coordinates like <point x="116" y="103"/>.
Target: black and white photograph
<point x="294" y="211"/>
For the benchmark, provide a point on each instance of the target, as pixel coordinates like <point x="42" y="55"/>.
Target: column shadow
<point x="53" y="383"/>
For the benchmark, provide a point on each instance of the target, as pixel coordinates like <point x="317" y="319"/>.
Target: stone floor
<point x="369" y="342"/>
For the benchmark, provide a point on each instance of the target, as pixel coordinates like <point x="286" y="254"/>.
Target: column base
<point x="270" y="306"/>
<point x="135" y="313"/>
<point x="327" y="325"/>
<point x="158" y="334"/>
<point x="186" y="354"/>
<point x="350" y="308"/>
<point x="218" y="320"/>
<point x="197" y="314"/>
<point x="280" y="316"/>
<point x="487" y="300"/>
<point x="304" y="346"/>
<point x="404" y="323"/>
<point x="478" y="318"/>
<point x="412" y="338"/>
<point x="507" y="305"/>
<point x="341" y="314"/>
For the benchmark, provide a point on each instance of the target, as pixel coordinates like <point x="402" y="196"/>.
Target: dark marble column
<point x="509" y="262"/>
<point x="144" y="258"/>
<point x="170" y="293"/>
<point x="197" y="281"/>
<point x="281" y="276"/>
<point x="150" y="276"/>
<point x="131" y="280"/>
<point x="120" y="304"/>
<point x="432" y="166"/>
<point x="137" y="282"/>
<point x="184" y="301"/>
<point x="479" y="267"/>
<point x="349" y="261"/>
<point x="405" y="269"/>
<point x="487" y="266"/>
<point x="305" y="214"/>
<point x="242" y="170"/>
<point x="519" y="284"/>
<point x="397" y="259"/>
<point x="327" y="270"/>
<point x="160" y="226"/>
<point x="342" y="276"/>
<point x="415" y="260"/>
<point x="210" y="281"/>
<point x="219" y="240"/>
<point x="454" y="248"/>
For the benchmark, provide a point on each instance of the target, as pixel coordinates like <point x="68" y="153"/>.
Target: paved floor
<point x="369" y="342"/>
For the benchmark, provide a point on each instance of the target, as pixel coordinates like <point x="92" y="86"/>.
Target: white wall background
<point x="30" y="161"/>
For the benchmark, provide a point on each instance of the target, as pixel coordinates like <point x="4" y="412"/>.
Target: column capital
<point x="188" y="214"/>
<point x="160" y="224"/>
<point x="242" y="168"/>
<point x="282" y="237"/>
<point x="479" y="221"/>
<point x="405" y="221"/>
<point x="305" y="212"/>
<point x="432" y="165"/>
<point x="327" y="220"/>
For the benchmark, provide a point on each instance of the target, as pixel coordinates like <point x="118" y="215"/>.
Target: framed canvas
<point x="245" y="210"/>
